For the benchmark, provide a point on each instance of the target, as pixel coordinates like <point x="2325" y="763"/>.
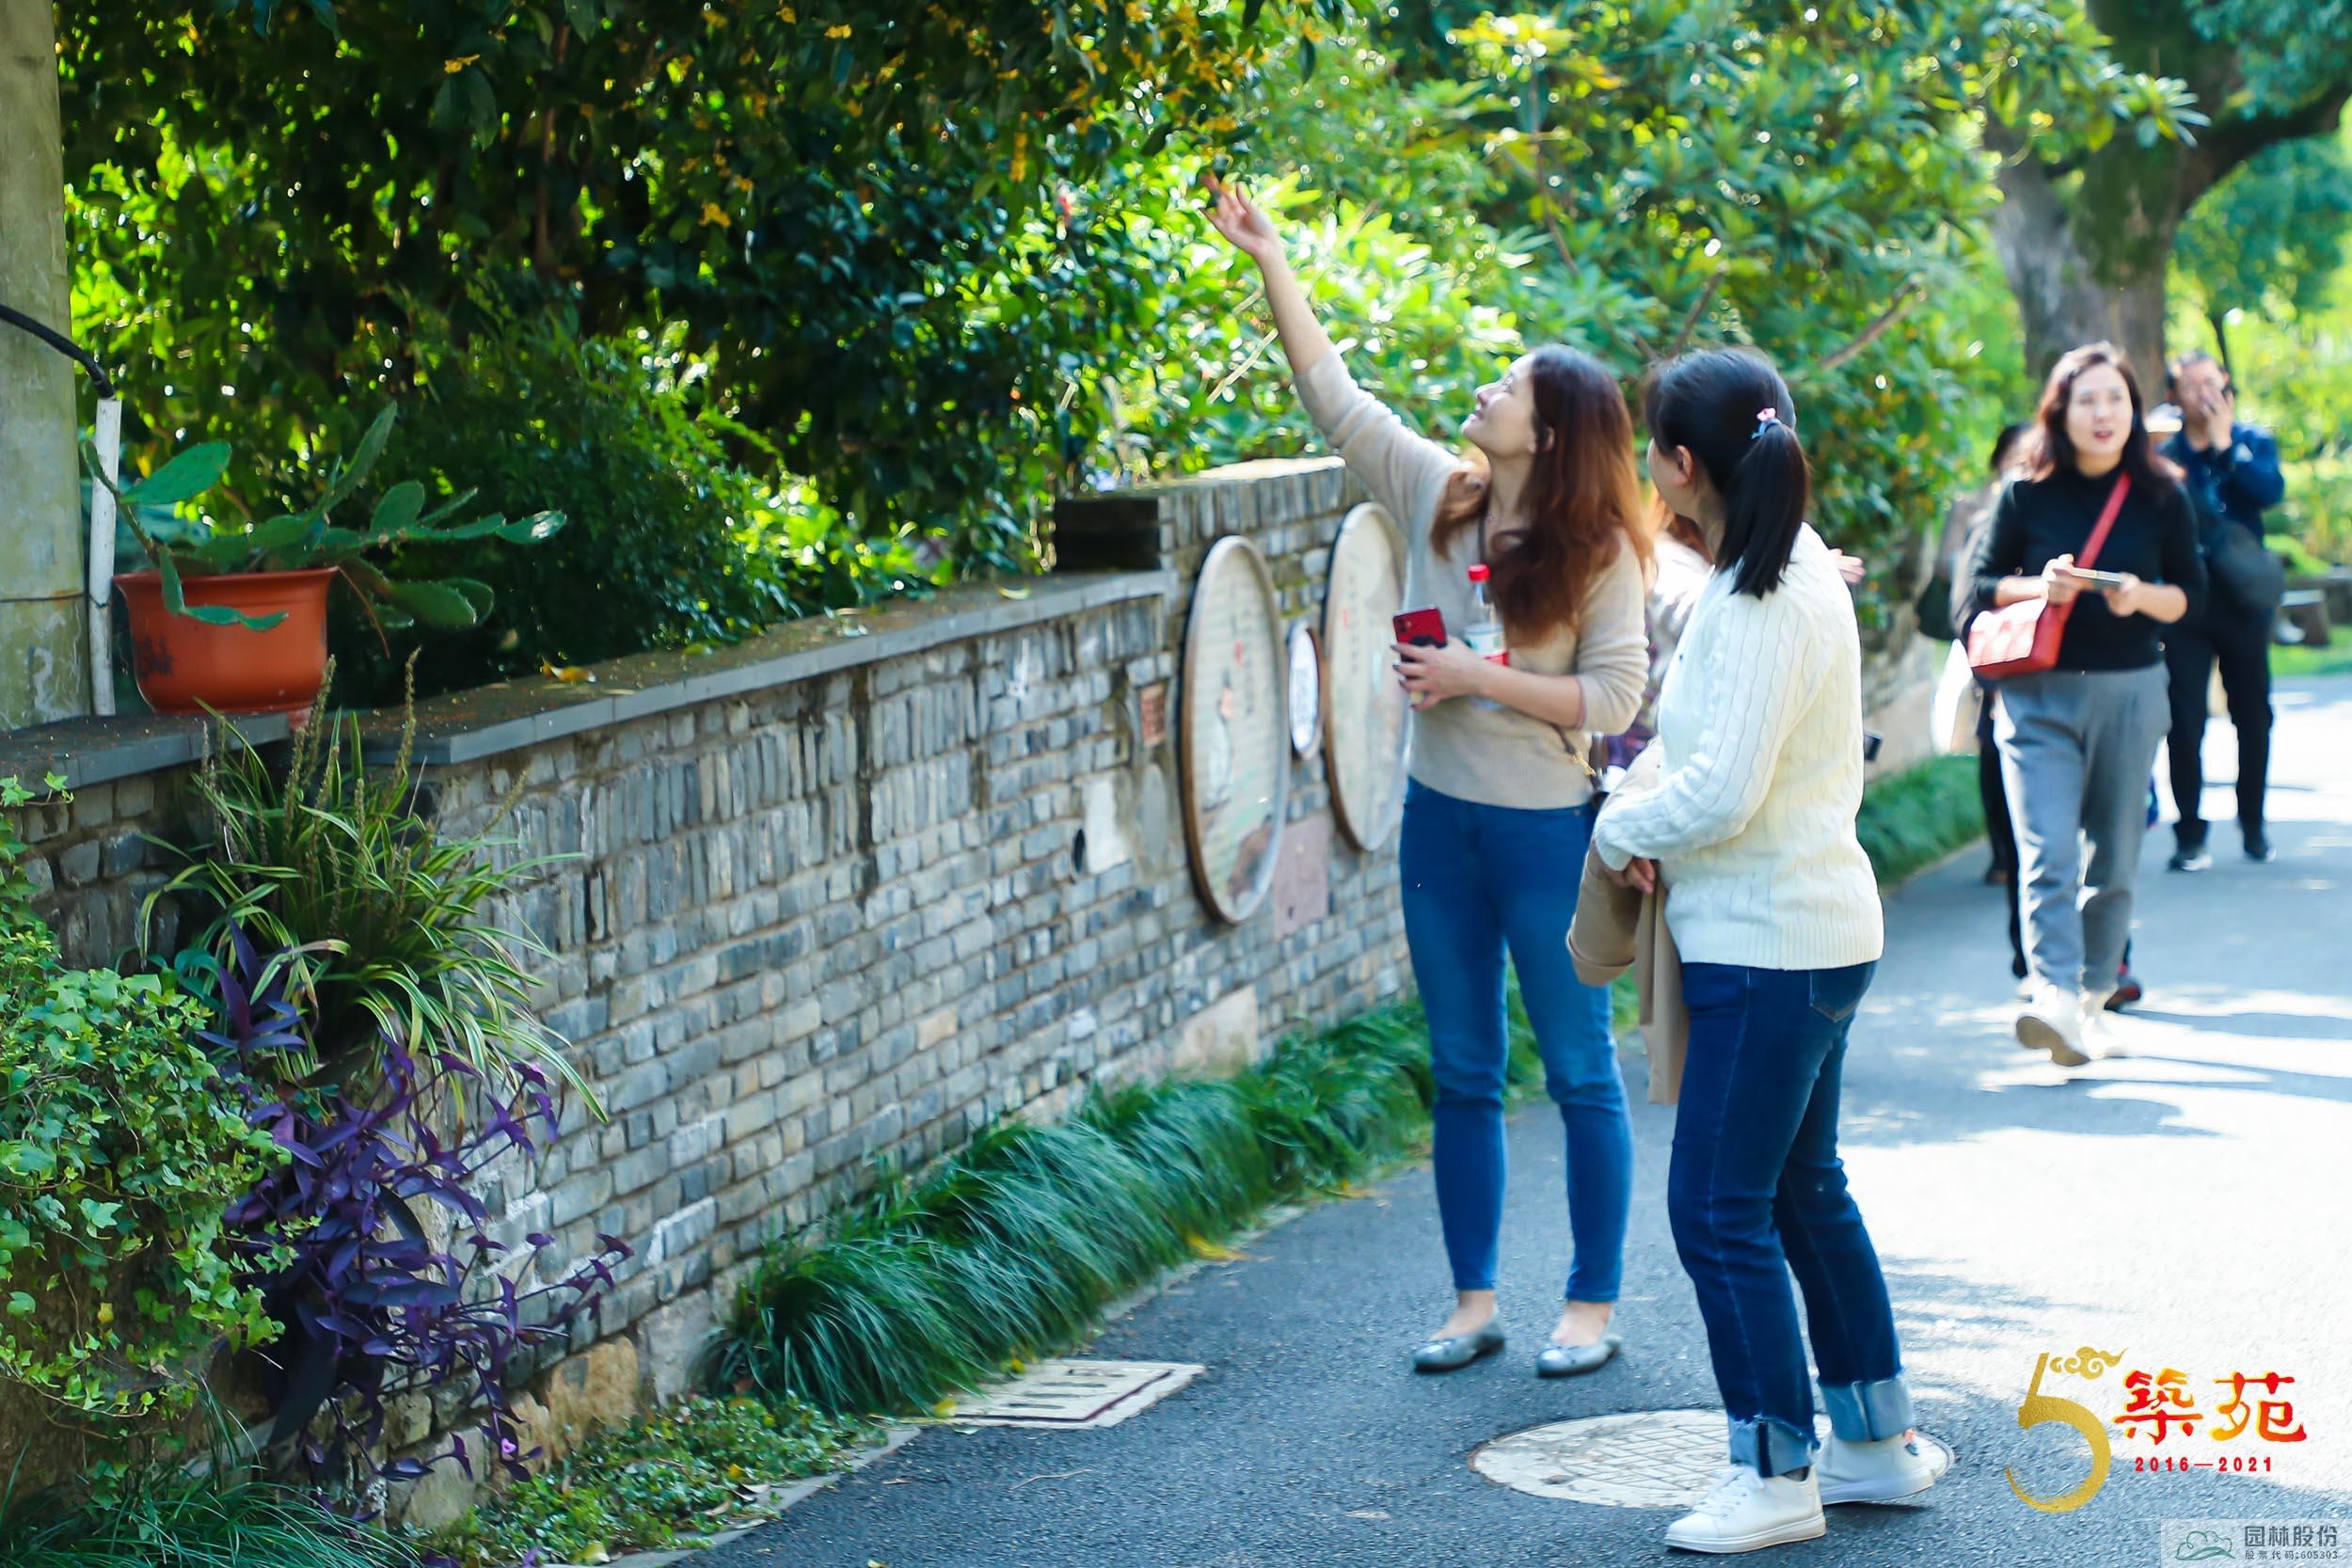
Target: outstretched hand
<point x="1244" y="222"/>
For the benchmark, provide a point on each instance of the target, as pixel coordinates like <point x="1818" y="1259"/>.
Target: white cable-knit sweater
<point x="1753" y="821"/>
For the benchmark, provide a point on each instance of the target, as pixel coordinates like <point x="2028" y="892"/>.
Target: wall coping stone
<point x="507" y="716"/>
<point x="93" y="751"/>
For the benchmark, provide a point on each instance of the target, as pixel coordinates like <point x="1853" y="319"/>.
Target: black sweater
<point x="2154" y="538"/>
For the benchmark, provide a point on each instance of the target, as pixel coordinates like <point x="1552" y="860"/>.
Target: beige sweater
<point x="1493" y="756"/>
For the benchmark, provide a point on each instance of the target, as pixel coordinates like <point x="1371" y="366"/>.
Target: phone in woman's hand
<point x="1419" y="628"/>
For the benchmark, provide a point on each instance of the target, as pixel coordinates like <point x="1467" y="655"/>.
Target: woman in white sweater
<point x="1774" y="908"/>
<point x="1497" y="809"/>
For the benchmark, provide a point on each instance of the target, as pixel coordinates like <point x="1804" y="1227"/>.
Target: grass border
<point x="1919" y="817"/>
<point x="1011" y="1247"/>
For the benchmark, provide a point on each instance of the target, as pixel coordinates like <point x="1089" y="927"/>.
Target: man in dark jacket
<point x="2233" y="476"/>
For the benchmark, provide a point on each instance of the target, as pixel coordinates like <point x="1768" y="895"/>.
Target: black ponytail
<point x="1714" y="404"/>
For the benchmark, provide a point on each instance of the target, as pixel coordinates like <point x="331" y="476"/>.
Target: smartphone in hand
<point x="2097" y="579"/>
<point x="1422" y="628"/>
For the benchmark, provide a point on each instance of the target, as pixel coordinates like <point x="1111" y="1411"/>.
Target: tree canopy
<point x="919" y="266"/>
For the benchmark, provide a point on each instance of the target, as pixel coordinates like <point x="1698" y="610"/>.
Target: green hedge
<point x="1913" y="819"/>
<point x="1012" y="1246"/>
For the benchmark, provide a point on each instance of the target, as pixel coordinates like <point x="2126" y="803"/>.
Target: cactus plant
<point x="312" y="538"/>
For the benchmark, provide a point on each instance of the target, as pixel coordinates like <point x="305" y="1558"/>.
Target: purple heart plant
<point x="371" y="1246"/>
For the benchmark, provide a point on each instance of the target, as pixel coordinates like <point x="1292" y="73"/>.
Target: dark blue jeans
<point x="1757" y="1190"/>
<point x="1478" y="879"/>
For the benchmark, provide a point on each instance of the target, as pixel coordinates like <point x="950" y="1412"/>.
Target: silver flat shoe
<point x="1569" y="1360"/>
<point x="1459" y="1350"/>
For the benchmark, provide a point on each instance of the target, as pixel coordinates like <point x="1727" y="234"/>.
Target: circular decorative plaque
<point x="1235" y="748"/>
<point x="1305" y="690"/>
<point x="1364" y="712"/>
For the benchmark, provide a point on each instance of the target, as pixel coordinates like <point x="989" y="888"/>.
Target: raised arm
<point x="1405" y="470"/>
<point x="1305" y="344"/>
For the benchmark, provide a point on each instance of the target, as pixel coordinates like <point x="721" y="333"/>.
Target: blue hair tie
<point x="1764" y="417"/>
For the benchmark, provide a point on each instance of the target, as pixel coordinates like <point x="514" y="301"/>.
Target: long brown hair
<point x="2051" y="450"/>
<point x="1581" y="504"/>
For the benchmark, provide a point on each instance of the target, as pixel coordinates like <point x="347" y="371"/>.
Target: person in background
<point x="1498" y="799"/>
<point x="2232" y="469"/>
<point x="1961" y="528"/>
<point x="1772" y="904"/>
<point x="1679" y="567"/>
<point x="2078" y="742"/>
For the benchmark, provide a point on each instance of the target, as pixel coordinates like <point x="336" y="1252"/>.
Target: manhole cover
<point x="1077" y="1393"/>
<point x="1644" y="1459"/>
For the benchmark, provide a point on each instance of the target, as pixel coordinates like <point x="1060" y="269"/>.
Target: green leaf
<point x="371" y="447"/>
<point x="448" y="508"/>
<point x="477" y="593"/>
<point x="175" y="600"/>
<point x="188" y="474"/>
<point x="276" y="534"/>
<point x="21" y="1304"/>
<point x="437" y="604"/>
<point x="532" y="530"/>
<point x="399" y="509"/>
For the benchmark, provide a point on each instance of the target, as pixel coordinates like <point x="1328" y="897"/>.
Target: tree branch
<point x="2232" y="143"/>
<point x="1912" y="294"/>
<point x="1690" y="321"/>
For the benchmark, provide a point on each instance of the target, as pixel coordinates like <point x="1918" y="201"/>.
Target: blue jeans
<point x="1478" y="879"/>
<point x="1757" y="1190"/>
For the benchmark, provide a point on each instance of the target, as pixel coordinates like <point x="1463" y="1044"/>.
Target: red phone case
<point x="1425" y="628"/>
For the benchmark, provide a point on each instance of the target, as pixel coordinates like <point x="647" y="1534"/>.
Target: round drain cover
<point x="1642" y="1459"/>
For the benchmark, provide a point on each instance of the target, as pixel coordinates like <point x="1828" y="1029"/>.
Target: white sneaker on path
<point x="1747" y="1513"/>
<point x="1881" y="1471"/>
<point x="2052" y="1020"/>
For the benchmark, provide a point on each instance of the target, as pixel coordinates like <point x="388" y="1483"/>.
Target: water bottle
<point x="1483" y="633"/>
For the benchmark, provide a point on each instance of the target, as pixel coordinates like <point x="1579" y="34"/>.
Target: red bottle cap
<point x="1478" y="573"/>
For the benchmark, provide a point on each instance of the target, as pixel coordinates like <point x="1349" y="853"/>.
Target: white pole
<point x="102" y="558"/>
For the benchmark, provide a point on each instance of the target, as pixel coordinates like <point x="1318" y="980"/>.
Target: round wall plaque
<point x="1305" y="690"/>
<point x="1235" y="745"/>
<point x="1364" y="708"/>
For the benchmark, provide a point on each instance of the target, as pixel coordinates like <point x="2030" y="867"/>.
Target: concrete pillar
<point x="45" y="665"/>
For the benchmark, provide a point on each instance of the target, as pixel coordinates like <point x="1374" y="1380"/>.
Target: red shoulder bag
<point x="2022" y="639"/>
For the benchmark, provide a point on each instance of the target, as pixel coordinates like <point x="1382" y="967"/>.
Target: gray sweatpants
<point x="2078" y="750"/>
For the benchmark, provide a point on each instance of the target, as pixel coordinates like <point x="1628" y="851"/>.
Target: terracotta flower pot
<point x="187" y="666"/>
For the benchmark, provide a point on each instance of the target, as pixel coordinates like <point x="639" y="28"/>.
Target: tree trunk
<point x="2088" y="272"/>
<point x="2086" y="246"/>
<point x="45" y="660"/>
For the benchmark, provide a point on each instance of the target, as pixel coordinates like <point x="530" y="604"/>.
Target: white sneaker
<point x="2099" y="1039"/>
<point x="2052" y="1020"/>
<point x="1747" y="1513"/>
<point x="1881" y="1471"/>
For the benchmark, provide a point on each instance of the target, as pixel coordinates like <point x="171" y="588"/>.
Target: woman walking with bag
<point x="1497" y="812"/>
<point x="2089" y="555"/>
<point x="1774" y="911"/>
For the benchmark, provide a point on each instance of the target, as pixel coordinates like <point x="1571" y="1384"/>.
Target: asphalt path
<point x="2187" y="1206"/>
